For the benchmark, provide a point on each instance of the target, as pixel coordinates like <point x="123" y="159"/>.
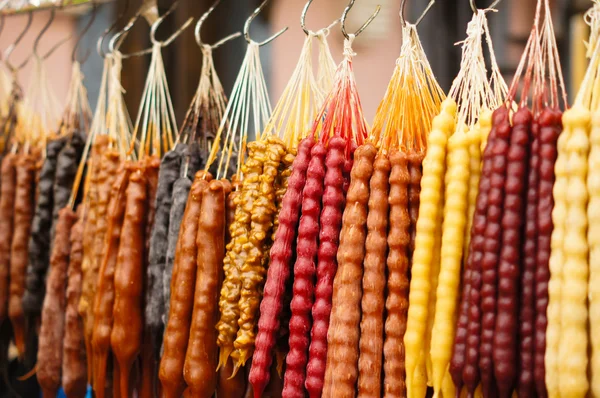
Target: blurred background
<point x="377" y="48"/>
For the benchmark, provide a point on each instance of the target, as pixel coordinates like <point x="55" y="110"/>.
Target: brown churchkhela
<point x="105" y="294"/>
<point x="49" y="358"/>
<point x="374" y="281"/>
<point x="7" y="201"/>
<point x="180" y="313"/>
<point x="74" y="366"/>
<point x="86" y="302"/>
<point x="397" y="282"/>
<point x="126" y="335"/>
<point x="202" y="351"/>
<point x="23" y="214"/>
<point x="343" y="335"/>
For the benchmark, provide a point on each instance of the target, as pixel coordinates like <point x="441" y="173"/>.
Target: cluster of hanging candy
<point x="294" y="251"/>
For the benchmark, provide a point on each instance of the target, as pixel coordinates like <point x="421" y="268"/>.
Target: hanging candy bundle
<point x="399" y="133"/>
<point x="190" y="353"/>
<point x="293" y="117"/>
<point x="47" y="272"/>
<point x="449" y="184"/>
<point x="511" y="216"/>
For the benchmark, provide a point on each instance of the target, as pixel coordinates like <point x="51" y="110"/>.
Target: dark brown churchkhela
<point x="74" y="366"/>
<point x="126" y="335"/>
<point x="23" y="214"/>
<point x="157" y="255"/>
<point x="66" y="170"/>
<point x="39" y="240"/>
<point x="49" y="357"/>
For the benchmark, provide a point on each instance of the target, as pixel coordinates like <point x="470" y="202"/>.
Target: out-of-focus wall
<point x="377" y="48"/>
<point x="58" y="64"/>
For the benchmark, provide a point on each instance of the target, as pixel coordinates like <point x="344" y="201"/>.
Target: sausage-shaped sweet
<point x="157" y="255"/>
<point x="181" y="190"/>
<point x="525" y="382"/>
<point x="177" y="330"/>
<point x="329" y="239"/>
<point x="430" y="216"/>
<point x="253" y="271"/>
<point x="52" y="331"/>
<point x="464" y="365"/>
<point x="86" y="302"/>
<point x="415" y="168"/>
<point x="278" y="274"/>
<point x="550" y="129"/>
<point x="7" y="203"/>
<point x="151" y="170"/>
<point x="507" y="311"/>
<point x="374" y="281"/>
<point x="126" y="334"/>
<point x="593" y="214"/>
<point x="556" y="262"/>
<point x="474" y="175"/>
<point x="74" y="365"/>
<point x="451" y="252"/>
<point x="573" y="348"/>
<point x="66" y="171"/>
<point x="343" y="336"/>
<point x="202" y="352"/>
<point x="307" y="247"/>
<point x="105" y="293"/>
<point x="39" y="239"/>
<point x="394" y="385"/>
<point x="106" y="176"/>
<point x="23" y="214"/>
<point x="237" y="251"/>
<point x="499" y="138"/>
<point x="230" y="385"/>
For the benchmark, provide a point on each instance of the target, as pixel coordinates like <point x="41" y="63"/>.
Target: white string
<point x="155" y="124"/>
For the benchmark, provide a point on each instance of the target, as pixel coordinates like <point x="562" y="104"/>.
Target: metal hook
<point x="403" y="6"/>
<point x="12" y="47"/>
<point x="83" y="32"/>
<point x="199" y="27"/>
<point x="249" y="21"/>
<point x="303" y="18"/>
<point x="36" y="43"/>
<point x="102" y="37"/>
<point x="116" y="41"/>
<point x="364" y="26"/>
<point x="474" y="6"/>
<point x="160" y="20"/>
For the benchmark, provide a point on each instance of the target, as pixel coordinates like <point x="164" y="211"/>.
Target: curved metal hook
<point x="364" y="26"/>
<point x="9" y="50"/>
<point x="116" y="41"/>
<point x="36" y="43"/>
<point x="403" y="6"/>
<point x="83" y="32"/>
<point x="474" y="6"/>
<point x="199" y="27"/>
<point x="102" y="37"/>
<point x="160" y="20"/>
<point x="249" y="21"/>
<point x="303" y="19"/>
